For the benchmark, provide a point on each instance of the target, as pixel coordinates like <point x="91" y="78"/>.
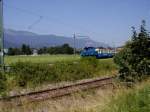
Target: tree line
<point x="27" y="50"/>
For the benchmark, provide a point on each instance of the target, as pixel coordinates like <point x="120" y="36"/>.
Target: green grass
<point x="106" y="66"/>
<point x="31" y="71"/>
<point x="26" y="72"/>
<point x="106" y="63"/>
<point x="134" y="100"/>
<point x="41" y="58"/>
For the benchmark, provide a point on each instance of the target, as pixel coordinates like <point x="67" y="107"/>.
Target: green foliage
<point x="64" y="49"/>
<point x="27" y="73"/>
<point x="134" y="59"/>
<point x="24" y="50"/>
<point x="30" y="73"/>
<point x="2" y="83"/>
<point x="41" y="58"/>
<point x="85" y="68"/>
<point x="136" y="100"/>
<point x="14" y="51"/>
<point x="90" y="61"/>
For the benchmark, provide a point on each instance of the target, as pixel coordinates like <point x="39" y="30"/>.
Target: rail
<point x="62" y="90"/>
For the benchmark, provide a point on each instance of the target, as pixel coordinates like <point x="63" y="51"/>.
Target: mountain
<point x="13" y="38"/>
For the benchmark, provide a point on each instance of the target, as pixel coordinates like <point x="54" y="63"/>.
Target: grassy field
<point x="106" y="66"/>
<point x="51" y="59"/>
<point x="32" y="71"/>
<point x="136" y="99"/>
<point x="41" y="58"/>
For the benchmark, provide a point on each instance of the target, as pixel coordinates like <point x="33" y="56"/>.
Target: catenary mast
<point x="1" y="34"/>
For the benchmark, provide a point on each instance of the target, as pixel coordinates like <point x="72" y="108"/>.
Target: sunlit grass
<point x="65" y="68"/>
<point x="77" y="102"/>
<point x="41" y="58"/>
<point x="32" y="74"/>
<point x="106" y="66"/>
<point x="136" y="99"/>
<point x="133" y="100"/>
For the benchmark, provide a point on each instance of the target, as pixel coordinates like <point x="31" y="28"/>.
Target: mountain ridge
<point x="14" y="38"/>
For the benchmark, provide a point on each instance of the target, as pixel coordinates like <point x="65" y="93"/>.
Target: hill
<point x="13" y="38"/>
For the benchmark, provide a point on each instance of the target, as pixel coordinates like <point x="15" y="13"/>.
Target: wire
<point x="44" y="17"/>
<point x="21" y="10"/>
<point x="35" y="14"/>
<point x="35" y="23"/>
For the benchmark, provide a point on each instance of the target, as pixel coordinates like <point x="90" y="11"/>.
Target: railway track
<point x="62" y="90"/>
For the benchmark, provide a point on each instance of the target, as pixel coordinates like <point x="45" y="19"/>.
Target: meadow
<point x="106" y="66"/>
<point x="50" y="59"/>
<point x="135" y="99"/>
<point x="33" y="71"/>
<point x="70" y="68"/>
<point x="41" y="58"/>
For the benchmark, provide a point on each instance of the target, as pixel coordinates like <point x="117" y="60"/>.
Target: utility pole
<point x="1" y="35"/>
<point x="74" y="43"/>
<point x="74" y="37"/>
<point x="114" y="48"/>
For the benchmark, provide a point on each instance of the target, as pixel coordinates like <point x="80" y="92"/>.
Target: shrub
<point x="30" y="73"/>
<point x="2" y="83"/>
<point x="134" y="59"/>
<point x="27" y="73"/>
<point x="71" y="71"/>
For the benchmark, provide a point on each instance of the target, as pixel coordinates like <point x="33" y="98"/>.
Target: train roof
<point x="108" y="48"/>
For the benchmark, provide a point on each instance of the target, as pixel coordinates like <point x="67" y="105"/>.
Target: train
<point x="99" y="53"/>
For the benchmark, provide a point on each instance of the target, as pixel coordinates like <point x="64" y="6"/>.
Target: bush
<point x="30" y="73"/>
<point x="70" y="71"/>
<point x="134" y="59"/>
<point x="2" y="83"/>
<point x="27" y="73"/>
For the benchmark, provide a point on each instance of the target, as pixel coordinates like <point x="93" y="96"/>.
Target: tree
<point x="14" y="51"/>
<point x="25" y="49"/>
<point x="134" y="59"/>
<point x="10" y="51"/>
<point x="67" y="49"/>
<point x="28" y="50"/>
<point x="64" y="49"/>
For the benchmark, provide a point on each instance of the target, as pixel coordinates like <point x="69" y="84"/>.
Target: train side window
<point x="99" y="51"/>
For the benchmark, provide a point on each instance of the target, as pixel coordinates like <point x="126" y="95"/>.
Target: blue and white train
<point x="97" y="52"/>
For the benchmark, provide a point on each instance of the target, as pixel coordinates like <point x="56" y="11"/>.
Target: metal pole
<point x="1" y="34"/>
<point x="74" y="38"/>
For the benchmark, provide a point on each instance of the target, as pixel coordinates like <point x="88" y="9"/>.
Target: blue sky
<point x="106" y="21"/>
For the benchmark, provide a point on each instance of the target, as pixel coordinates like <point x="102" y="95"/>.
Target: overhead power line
<point x="44" y="17"/>
<point x="35" y="23"/>
<point x="21" y="10"/>
<point x="37" y="15"/>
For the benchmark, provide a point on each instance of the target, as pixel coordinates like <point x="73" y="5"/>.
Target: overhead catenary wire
<point x="47" y="18"/>
<point x="41" y="17"/>
<point x="35" y="14"/>
<point x="35" y="23"/>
